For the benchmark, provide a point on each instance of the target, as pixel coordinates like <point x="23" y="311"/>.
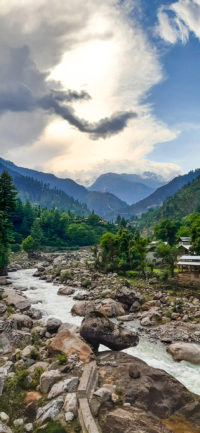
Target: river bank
<point x="73" y="273"/>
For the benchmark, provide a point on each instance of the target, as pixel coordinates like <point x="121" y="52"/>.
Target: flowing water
<point x="45" y="297"/>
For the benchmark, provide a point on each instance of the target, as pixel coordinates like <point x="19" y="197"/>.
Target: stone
<point x="149" y="304"/>
<point x="3" y="308"/>
<point x="47" y="380"/>
<point x="135" y="307"/>
<point x="133" y="371"/>
<point x="50" y="410"/>
<point x="28" y="427"/>
<point x="185" y="352"/>
<point x="66" y="291"/>
<point x="111" y="308"/>
<point x="18" y="422"/>
<point x="67" y="385"/>
<point x="127" y="296"/>
<point x="53" y="324"/>
<point x="40" y="364"/>
<point x="4" y="417"/>
<point x="22" y="320"/>
<point x="97" y="329"/>
<point x="71" y="403"/>
<point x="4" y="428"/>
<point x="26" y="352"/>
<point x="69" y="343"/>
<point x="83" y="307"/>
<point x="69" y="416"/>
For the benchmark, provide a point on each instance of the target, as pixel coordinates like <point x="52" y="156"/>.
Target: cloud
<point x="175" y="22"/>
<point x="95" y="48"/>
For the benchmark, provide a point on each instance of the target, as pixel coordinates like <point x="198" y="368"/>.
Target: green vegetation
<point x="7" y="206"/>
<point x="61" y="358"/>
<point x="122" y="252"/>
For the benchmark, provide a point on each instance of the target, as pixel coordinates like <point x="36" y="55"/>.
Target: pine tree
<point x="7" y="206"/>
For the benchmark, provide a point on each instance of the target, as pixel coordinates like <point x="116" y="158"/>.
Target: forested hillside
<point x="39" y="193"/>
<point x="181" y="204"/>
<point x="160" y="195"/>
<point x="102" y="203"/>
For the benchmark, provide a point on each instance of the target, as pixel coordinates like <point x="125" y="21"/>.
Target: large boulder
<point x="153" y="392"/>
<point x="128" y="420"/>
<point x="109" y="307"/>
<point x="68" y="342"/>
<point x="185" y="352"/>
<point x="22" y="320"/>
<point x="13" y="299"/>
<point x="126" y="296"/>
<point x="97" y="329"/>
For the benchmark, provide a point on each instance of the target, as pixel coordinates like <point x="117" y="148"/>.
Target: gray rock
<point x="53" y="324"/>
<point x="3" y="308"/>
<point x="4" y="428"/>
<point x="29" y="427"/>
<point x="185" y="352"/>
<point x="50" y="410"/>
<point x="67" y="291"/>
<point x="47" y="380"/>
<point x="22" y="320"/>
<point x="71" y="403"/>
<point x="67" y="385"/>
<point x="69" y="416"/>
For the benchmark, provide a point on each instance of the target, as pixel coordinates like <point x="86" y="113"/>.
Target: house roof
<point x="185" y="238"/>
<point x="189" y="263"/>
<point x="189" y="258"/>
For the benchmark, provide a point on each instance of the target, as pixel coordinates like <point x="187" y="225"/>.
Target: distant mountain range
<point x="128" y="187"/>
<point x="102" y="203"/>
<point x="156" y="199"/>
<point x="45" y="189"/>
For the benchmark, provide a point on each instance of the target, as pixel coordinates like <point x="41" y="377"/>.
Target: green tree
<point x="7" y="206"/>
<point x="166" y="231"/>
<point x="36" y="233"/>
<point x="28" y="245"/>
<point x="168" y="255"/>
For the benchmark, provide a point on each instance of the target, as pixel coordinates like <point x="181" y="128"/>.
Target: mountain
<point x="128" y="187"/>
<point x="156" y="199"/>
<point x="102" y="203"/>
<point x="175" y="207"/>
<point x="39" y="193"/>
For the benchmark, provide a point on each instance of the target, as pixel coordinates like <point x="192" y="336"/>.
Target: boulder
<point x="22" y="320"/>
<point x="50" y="410"/>
<point x="150" y="317"/>
<point x="68" y="342"/>
<point x="67" y="291"/>
<point x="53" y="324"/>
<point x="122" y="420"/>
<point x="126" y="296"/>
<point x="66" y="385"/>
<point x="71" y="403"/>
<point x="47" y="380"/>
<point x="83" y="307"/>
<point x="111" y="308"/>
<point x="185" y="352"/>
<point x="97" y="329"/>
<point x="40" y="364"/>
<point x="150" y="304"/>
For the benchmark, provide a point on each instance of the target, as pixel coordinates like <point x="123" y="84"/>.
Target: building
<point x="184" y="245"/>
<point x="189" y="268"/>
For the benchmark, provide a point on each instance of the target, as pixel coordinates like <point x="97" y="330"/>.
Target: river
<point x="44" y="295"/>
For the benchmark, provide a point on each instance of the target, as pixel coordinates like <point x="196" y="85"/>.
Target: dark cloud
<point x="104" y="128"/>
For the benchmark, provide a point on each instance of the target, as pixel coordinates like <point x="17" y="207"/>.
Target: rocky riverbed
<point x="43" y="336"/>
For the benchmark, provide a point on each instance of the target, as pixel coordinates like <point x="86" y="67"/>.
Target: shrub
<point x="61" y="358"/>
<point x="66" y="275"/>
<point x="85" y="283"/>
<point x="52" y="427"/>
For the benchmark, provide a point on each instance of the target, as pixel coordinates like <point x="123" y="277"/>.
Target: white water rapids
<point x="52" y="305"/>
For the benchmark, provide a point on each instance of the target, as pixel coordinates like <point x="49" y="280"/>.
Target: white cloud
<point x="175" y="22"/>
<point x="92" y="46"/>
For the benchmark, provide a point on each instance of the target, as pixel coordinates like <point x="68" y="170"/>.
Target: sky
<point x="95" y="86"/>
